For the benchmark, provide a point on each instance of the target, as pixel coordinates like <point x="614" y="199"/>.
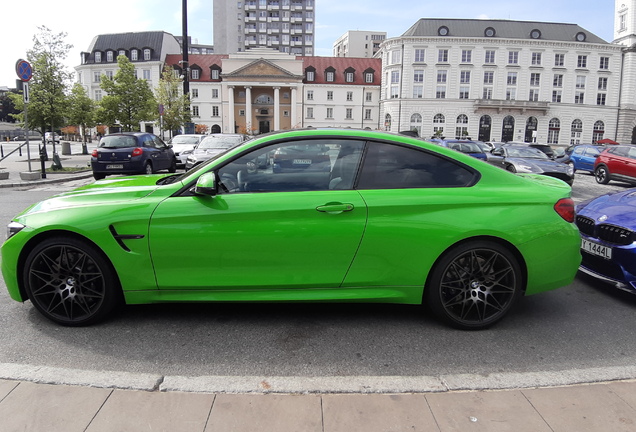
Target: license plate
<point x="596" y="249"/>
<point x="115" y="166"/>
<point x="302" y="162"/>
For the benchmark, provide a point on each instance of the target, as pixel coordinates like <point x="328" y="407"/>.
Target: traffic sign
<point x="24" y="70"/>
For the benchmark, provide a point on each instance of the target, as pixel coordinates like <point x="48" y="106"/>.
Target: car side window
<point x="387" y="166"/>
<point x="293" y="166"/>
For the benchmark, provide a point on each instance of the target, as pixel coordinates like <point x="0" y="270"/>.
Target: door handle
<point x="335" y="208"/>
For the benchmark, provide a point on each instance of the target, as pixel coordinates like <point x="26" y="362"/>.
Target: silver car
<point x="211" y="146"/>
<point x="182" y="145"/>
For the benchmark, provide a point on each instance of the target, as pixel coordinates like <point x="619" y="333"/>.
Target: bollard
<point x="42" y="160"/>
<point x="1" y="151"/>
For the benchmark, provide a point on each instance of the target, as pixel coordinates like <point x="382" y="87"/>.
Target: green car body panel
<point x="276" y="246"/>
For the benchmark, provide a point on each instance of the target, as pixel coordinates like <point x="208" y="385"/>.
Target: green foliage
<point x="129" y="100"/>
<point x="81" y="111"/>
<point x="176" y="105"/>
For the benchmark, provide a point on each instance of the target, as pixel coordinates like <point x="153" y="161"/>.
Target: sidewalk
<point x="17" y="163"/>
<point x="26" y="406"/>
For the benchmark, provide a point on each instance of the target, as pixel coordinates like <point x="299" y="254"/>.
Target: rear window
<point x="119" y="141"/>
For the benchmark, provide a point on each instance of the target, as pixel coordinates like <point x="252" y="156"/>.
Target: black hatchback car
<point x="132" y="153"/>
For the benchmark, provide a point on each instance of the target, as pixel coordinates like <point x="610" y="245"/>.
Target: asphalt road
<point x="584" y="325"/>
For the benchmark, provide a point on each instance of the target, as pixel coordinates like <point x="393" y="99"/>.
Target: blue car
<point x="583" y="157"/>
<point x="607" y="226"/>
<point x="132" y="153"/>
<point x="464" y="146"/>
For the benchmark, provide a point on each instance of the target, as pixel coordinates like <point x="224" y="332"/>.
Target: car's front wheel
<point x="601" y="174"/>
<point x="474" y="285"/>
<point x="173" y="166"/>
<point x="148" y="168"/>
<point x="70" y="281"/>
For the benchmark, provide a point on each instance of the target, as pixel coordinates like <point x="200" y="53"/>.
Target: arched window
<point x="508" y="131"/>
<point x="147" y="54"/>
<point x="599" y="131"/>
<point x="264" y="100"/>
<point x="438" y="125"/>
<point x="439" y="118"/>
<point x="576" y="131"/>
<point x="461" y="130"/>
<point x="554" y="127"/>
<point x="387" y="122"/>
<point x="416" y="123"/>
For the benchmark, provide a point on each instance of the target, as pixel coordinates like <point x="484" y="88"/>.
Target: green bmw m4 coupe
<point x="387" y="218"/>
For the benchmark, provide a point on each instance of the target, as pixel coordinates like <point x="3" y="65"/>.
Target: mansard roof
<point x="127" y="41"/>
<point x="503" y="29"/>
<point x="341" y="64"/>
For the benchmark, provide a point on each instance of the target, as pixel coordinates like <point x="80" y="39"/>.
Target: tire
<point x="148" y="168"/>
<point x="474" y="285"/>
<point x="70" y="282"/>
<point x="602" y="175"/>
<point x="511" y="168"/>
<point x="99" y="176"/>
<point x="173" y="166"/>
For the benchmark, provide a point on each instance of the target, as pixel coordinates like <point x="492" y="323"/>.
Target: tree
<point x="176" y="106"/>
<point x="129" y="100"/>
<point x="201" y="128"/>
<point x="8" y="110"/>
<point x="47" y="99"/>
<point x="81" y="112"/>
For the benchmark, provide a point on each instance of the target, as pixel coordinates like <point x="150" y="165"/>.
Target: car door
<point x="586" y="158"/>
<point x="262" y="230"/>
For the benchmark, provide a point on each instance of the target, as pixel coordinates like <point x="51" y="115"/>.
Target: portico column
<point x="276" y="108"/>
<point x="294" y="120"/>
<point x="230" y="115"/>
<point x="248" y="110"/>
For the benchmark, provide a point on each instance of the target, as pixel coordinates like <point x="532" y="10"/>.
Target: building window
<point x="195" y="111"/>
<point x="215" y="111"/>
<point x="598" y="132"/>
<point x="310" y="95"/>
<point x="579" y="97"/>
<point x="349" y="114"/>
<point x="349" y="77"/>
<point x="195" y="93"/>
<point x="311" y="75"/>
<point x="329" y="95"/>
<point x="440" y="92"/>
<point x="557" y="81"/>
<point x="368" y="97"/>
<point x="559" y="59"/>
<point x="147" y="54"/>
<point x="556" y="96"/>
<point x="395" y="77"/>
<point x="489" y="77"/>
<point x="442" y="56"/>
<point x="513" y="57"/>
<point x="601" y="98"/>
<point x="622" y="26"/>
<point x="146" y="74"/>
<point x="349" y="96"/>
<point x="416" y="123"/>
<point x="195" y="74"/>
<point x="134" y="55"/>
<point x="109" y="56"/>
<point x="285" y="113"/>
<point x="109" y="74"/>
<point x="330" y="76"/>
<point x="535" y="79"/>
<point x="489" y="57"/>
<point x="215" y="93"/>
<point x="418" y="92"/>
<point x="512" y="78"/>
<point x="511" y="93"/>
<point x="98" y="95"/>
<point x="553" y="131"/>
<point x="464" y="92"/>
<point x="395" y="57"/>
<point x="97" y="77"/>
<point x="395" y="92"/>
<point x="329" y="113"/>
<point x="98" y="57"/>
<point x="581" y="61"/>
<point x="464" y="77"/>
<point x="487" y="94"/>
<point x="604" y="63"/>
<point x="418" y="76"/>
<point x="122" y="52"/>
<point x="580" y="82"/>
<point x="310" y="112"/>
<point x="215" y="74"/>
<point x="367" y="114"/>
<point x="441" y="76"/>
<point x="576" y="131"/>
<point x="241" y="113"/>
<point x="467" y="56"/>
<point x="419" y="55"/>
<point x="368" y="77"/>
<point x="534" y="95"/>
<point x="602" y="83"/>
<point x="536" y="59"/>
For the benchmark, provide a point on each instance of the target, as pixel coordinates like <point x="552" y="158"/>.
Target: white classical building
<point x="500" y="80"/>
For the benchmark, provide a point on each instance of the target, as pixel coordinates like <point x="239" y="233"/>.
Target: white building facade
<point x="497" y="80"/>
<point x="358" y="43"/>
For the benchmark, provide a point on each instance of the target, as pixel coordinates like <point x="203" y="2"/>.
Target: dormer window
<point x="121" y="52"/>
<point x="195" y="73"/>
<point x="369" y="75"/>
<point x="330" y="74"/>
<point x="134" y="55"/>
<point x="109" y="56"/>
<point x="98" y="57"/>
<point x="147" y="54"/>
<point x="349" y="75"/>
<point x="215" y="72"/>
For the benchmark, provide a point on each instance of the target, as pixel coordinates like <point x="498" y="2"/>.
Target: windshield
<point x="466" y="147"/>
<point x="180" y="139"/>
<point x="219" y="142"/>
<point x="119" y="141"/>
<point x="526" y="152"/>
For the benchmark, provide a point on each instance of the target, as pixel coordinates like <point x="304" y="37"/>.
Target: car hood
<point x="616" y="208"/>
<point x="543" y="165"/>
<point x="116" y="189"/>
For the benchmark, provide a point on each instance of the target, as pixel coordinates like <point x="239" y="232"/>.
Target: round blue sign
<point x="24" y="70"/>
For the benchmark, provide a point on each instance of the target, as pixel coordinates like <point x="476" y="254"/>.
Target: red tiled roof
<point x="340" y="64"/>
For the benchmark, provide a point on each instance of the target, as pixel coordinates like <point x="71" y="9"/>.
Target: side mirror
<point x="497" y="152"/>
<point x="206" y="185"/>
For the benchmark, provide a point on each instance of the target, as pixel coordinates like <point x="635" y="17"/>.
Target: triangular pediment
<point x="260" y="69"/>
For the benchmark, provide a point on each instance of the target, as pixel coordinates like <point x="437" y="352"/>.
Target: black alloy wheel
<point x="601" y="174"/>
<point x="70" y="282"/>
<point x="474" y="285"/>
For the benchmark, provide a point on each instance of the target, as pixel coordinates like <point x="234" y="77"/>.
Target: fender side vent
<point x="119" y="238"/>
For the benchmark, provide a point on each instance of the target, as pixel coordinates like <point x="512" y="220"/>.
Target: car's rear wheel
<point x="601" y="174"/>
<point x="173" y="166"/>
<point x="99" y="176"/>
<point x="70" y="281"/>
<point x="474" y="285"/>
<point x="511" y="168"/>
<point x="148" y="168"/>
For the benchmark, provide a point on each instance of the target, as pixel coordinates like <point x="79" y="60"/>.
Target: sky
<point x="82" y="20"/>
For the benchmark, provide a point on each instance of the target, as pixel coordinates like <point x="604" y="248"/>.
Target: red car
<point x="616" y="163"/>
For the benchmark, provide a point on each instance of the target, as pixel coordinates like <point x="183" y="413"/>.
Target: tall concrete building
<point x="625" y="35"/>
<point x="358" y="43"/>
<point x="284" y="25"/>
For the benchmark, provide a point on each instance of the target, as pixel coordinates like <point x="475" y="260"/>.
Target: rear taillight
<point x="94" y="154"/>
<point x="137" y="151"/>
<point x="565" y="208"/>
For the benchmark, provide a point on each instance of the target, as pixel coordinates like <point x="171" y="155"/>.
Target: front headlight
<point x="570" y="170"/>
<point x="192" y="159"/>
<point x="13" y="228"/>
